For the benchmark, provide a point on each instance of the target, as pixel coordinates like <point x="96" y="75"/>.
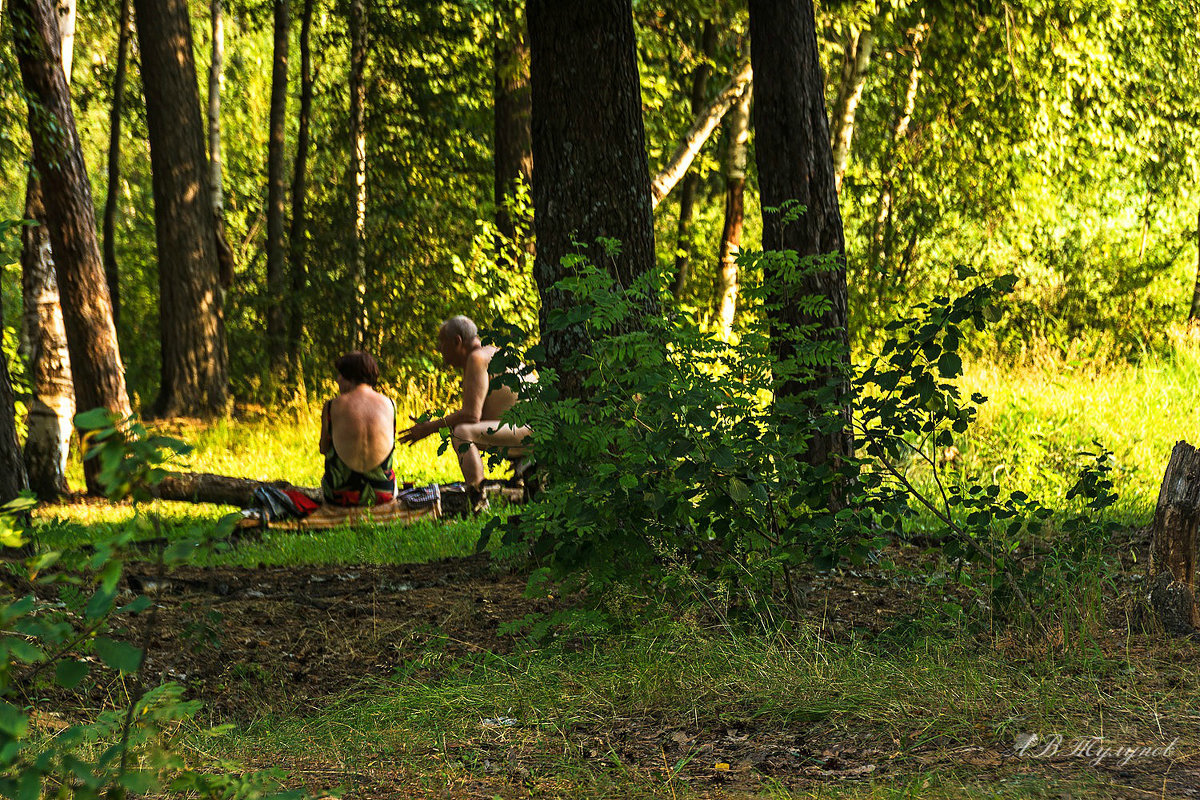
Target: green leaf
<point x="94" y="419"/>
<point x="738" y="491"/>
<point x="68" y="674"/>
<point x="950" y="365"/>
<point x="12" y="721"/>
<point x="119" y="655"/>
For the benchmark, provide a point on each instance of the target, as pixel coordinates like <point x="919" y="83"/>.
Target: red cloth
<point x="304" y="504"/>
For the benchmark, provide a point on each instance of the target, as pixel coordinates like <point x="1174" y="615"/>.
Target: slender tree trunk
<point x="1173" y="543"/>
<point x="111" y="271"/>
<point x="795" y="163"/>
<point x="216" y="85"/>
<point x="691" y="181"/>
<point x="592" y="178"/>
<point x="48" y="441"/>
<point x="299" y="231"/>
<point x="12" y="466"/>
<point x="513" y="158"/>
<point x="705" y="124"/>
<point x="276" y="191"/>
<point x="1194" y="313"/>
<point x="856" y="60"/>
<point x="71" y="221"/>
<point x="879" y="255"/>
<point x="191" y="319"/>
<point x="358" y="169"/>
<point x="731" y="233"/>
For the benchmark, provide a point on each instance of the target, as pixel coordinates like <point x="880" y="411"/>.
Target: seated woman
<point x="358" y="432"/>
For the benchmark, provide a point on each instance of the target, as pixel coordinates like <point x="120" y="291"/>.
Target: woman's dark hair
<point x="358" y="367"/>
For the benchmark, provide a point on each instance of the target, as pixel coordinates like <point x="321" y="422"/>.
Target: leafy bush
<point x="62" y="627"/>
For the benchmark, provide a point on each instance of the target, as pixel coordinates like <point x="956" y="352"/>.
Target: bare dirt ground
<point x="288" y="639"/>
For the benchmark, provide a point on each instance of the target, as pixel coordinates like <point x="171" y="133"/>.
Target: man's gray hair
<point x="460" y="326"/>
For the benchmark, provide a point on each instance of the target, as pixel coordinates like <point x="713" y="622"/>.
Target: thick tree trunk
<point x="706" y="122"/>
<point x="48" y="440"/>
<point x="795" y="163"/>
<point x="691" y="181"/>
<point x="513" y="158"/>
<point x="191" y="319"/>
<point x="592" y="178"/>
<point x="358" y="170"/>
<point x="12" y="467"/>
<point x="216" y="86"/>
<point x="95" y="358"/>
<point x="276" y="191"/>
<point x="1173" y="543"/>
<point x="112" y="272"/>
<point x="731" y="233"/>
<point x="855" y="61"/>
<point x="202" y="487"/>
<point x="299" y="231"/>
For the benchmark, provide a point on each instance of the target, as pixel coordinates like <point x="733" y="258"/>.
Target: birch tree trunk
<point x="856" y="61"/>
<point x="112" y="271"/>
<point x="358" y="170"/>
<point x="99" y="377"/>
<point x="216" y="86"/>
<point x="731" y="233"/>
<point x="687" y="192"/>
<point x="277" y="192"/>
<point x="299" y="230"/>
<point x="52" y="407"/>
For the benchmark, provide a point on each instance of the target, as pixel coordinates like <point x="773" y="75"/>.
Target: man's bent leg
<point x="491" y="433"/>
<point x="469" y="460"/>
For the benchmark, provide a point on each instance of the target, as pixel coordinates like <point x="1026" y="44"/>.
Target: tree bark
<point x="216" y="85"/>
<point x="691" y="181"/>
<point x="12" y="467"/>
<point x="299" y="230"/>
<point x="358" y="170"/>
<point x="856" y="60"/>
<point x="52" y="408"/>
<point x="592" y="179"/>
<point x="95" y="358"/>
<point x="112" y="271"/>
<point x="731" y="233"/>
<point x="795" y="163"/>
<point x="705" y="124"/>
<point x="203" y="487"/>
<point x="191" y="319"/>
<point x="1173" y="543"/>
<point x="276" y="191"/>
<point x="513" y="157"/>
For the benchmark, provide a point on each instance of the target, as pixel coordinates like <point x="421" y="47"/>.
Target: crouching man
<point x="358" y="431"/>
<point x="477" y="423"/>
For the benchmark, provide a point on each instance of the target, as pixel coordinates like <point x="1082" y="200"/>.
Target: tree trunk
<point x="856" y="60"/>
<point x="216" y="85"/>
<point x="111" y="271"/>
<point x="191" y="319"/>
<point x="706" y="122"/>
<point x="879" y="255"/>
<point x="12" y="467"/>
<point x="299" y="230"/>
<point x="592" y="178"/>
<point x="795" y="163"/>
<point x="277" y="192"/>
<point x="358" y="170"/>
<point x="731" y="233"/>
<point x="1173" y="544"/>
<point x="691" y="181"/>
<point x="1194" y="313"/>
<point x="99" y="377"/>
<point x="202" y="487"/>
<point x="513" y="159"/>
<point x="48" y="440"/>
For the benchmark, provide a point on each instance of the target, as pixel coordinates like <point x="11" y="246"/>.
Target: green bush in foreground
<point x="62" y="627"/>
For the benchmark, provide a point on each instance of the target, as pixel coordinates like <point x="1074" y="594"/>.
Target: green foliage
<point x="81" y="639"/>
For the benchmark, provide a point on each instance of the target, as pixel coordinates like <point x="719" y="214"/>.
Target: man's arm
<point x="326" y="443"/>
<point x="475" y="389"/>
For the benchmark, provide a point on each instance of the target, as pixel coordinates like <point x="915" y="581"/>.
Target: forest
<point x="853" y="349"/>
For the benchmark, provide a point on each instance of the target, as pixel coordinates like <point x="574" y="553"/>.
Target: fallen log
<point x="204" y="487"/>
<point x="1173" y="543"/>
